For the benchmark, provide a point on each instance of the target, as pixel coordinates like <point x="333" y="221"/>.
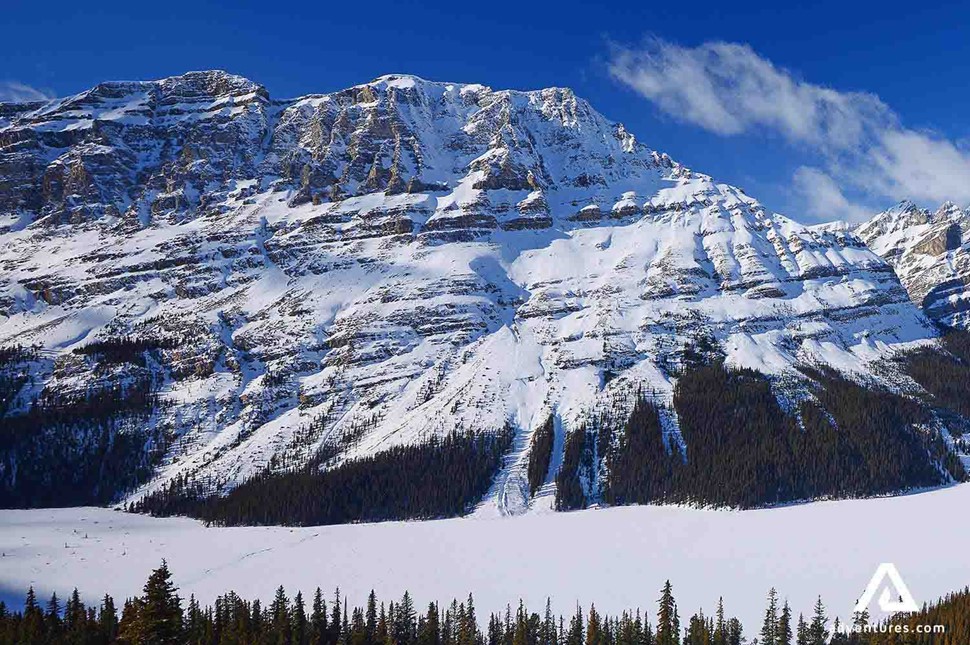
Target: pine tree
<point x="279" y="612"/>
<point x="257" y="617"/>
<point x="769" y="628"/>
<point x="802" y="636"/>
<point x="575" y="634"/>
<point x="371" y="617"/>
<point x="404" y="623"/>
<point x="720" y="629"/>
<point x="108" y="620"/>
<point x="194" y="621"/>
<point x="468" y="630"/>
<point x="818" y="634"/>
<point x="318" y="619"/>
<point x="130" y="626"/>
<point x="593" y="627"/>
<point x="299" y="626"/>
<point x="783" y="635"/>
<point x="735" y="633"/>
<point x="158" y="615"/>
<point x="430" y="630"/>
<point x="494" y="635"/>
<point x="335" y="622"/>
<point x="75" y="617"/>
<point x="52" y="617"/>
<point x="698" y="630"/>
<point x="667" y="630"/>
<point x="547" y="635"/>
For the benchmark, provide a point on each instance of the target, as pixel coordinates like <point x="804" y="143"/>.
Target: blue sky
<point x="821" y="112"/>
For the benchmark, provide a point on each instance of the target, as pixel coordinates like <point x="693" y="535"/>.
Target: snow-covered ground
<point x="616" y="557"/>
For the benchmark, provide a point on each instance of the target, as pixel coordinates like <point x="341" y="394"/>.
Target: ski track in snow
<point x="617" y="558"/>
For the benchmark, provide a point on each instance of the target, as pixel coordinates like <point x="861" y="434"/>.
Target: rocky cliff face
<point x="394" y="261"/>
<point x="929" y="252"/>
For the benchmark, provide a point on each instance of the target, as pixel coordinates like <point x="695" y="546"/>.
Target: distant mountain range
<point x="929" y="252"/>
<point x="203" y="287"/>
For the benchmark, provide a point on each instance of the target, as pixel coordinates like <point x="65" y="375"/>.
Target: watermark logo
<point x="887" y="578"/>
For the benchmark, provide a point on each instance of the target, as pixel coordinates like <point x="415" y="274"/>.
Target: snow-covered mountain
<point x="930" y="252"/>
<point x="395" y="261"/>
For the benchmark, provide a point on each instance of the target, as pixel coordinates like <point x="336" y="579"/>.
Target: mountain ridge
<point x="341" y="274"/>
<point x="928" y="250"/>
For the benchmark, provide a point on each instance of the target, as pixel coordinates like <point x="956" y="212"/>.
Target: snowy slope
<point x="398" y="260"/>
<point x="929" y="251"/>
<point x="803" y="551"/>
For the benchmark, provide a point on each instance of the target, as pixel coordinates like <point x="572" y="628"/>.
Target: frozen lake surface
<point x="617" y="557"/>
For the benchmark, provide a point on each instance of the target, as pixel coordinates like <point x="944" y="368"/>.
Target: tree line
<point x="743" y="449"/>
<point x="444" y="477"/>
<point x="160" y="616"/>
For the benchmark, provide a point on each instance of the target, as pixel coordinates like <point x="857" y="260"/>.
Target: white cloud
<point x="16" y="92"/>
<point x="824" y="198"/>
<point x="727" y="88"/>
<point x="922" y="166"/>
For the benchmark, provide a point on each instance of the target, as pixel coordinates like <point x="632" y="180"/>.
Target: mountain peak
<point x="376" y="266"/>
<point x="403" y="80"/>
<point x="949" y="210"/>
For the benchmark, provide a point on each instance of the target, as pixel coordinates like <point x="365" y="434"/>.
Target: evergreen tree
<point x="698" y="630"/>
<point x="668" y="631"/>
<point x="371" y="617"/>
<point x="108" y="620"/>
<point x="783" y="634"/>
<point x="130" y="627"/>
<point x="818" y="633"/>
<point x="318" y="619"/>
<point x="802" y="637"/>
<point x="335" y="622"/>
<point x="279" y="612"/>
<point x="383" y="627"/>
<point x="195" y="624"/>
<point x="158" y="614"/>
<point x="257" y="618"/>
<point x="720" y="628"/>
<point x="75" y="616"/>
<point x="735" y="635"/>
<point x="299" y="626"/>
<point x="495" y="632"/>
<point x="52" y="617"/>
<point x="430" y="630"/>
<point x="769" y="628"/>
<point x="593" y="627"/>
<point x="404" y="624"/>
<point x="540" y="455"/>
<point x="547" y="636"/>
<point x="575" y="635"/>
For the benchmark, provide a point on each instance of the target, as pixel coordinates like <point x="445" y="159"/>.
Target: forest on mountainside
<point x="744" y="449"/>
<point x="69" y="448"/>
<point x="442" y="478"/>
